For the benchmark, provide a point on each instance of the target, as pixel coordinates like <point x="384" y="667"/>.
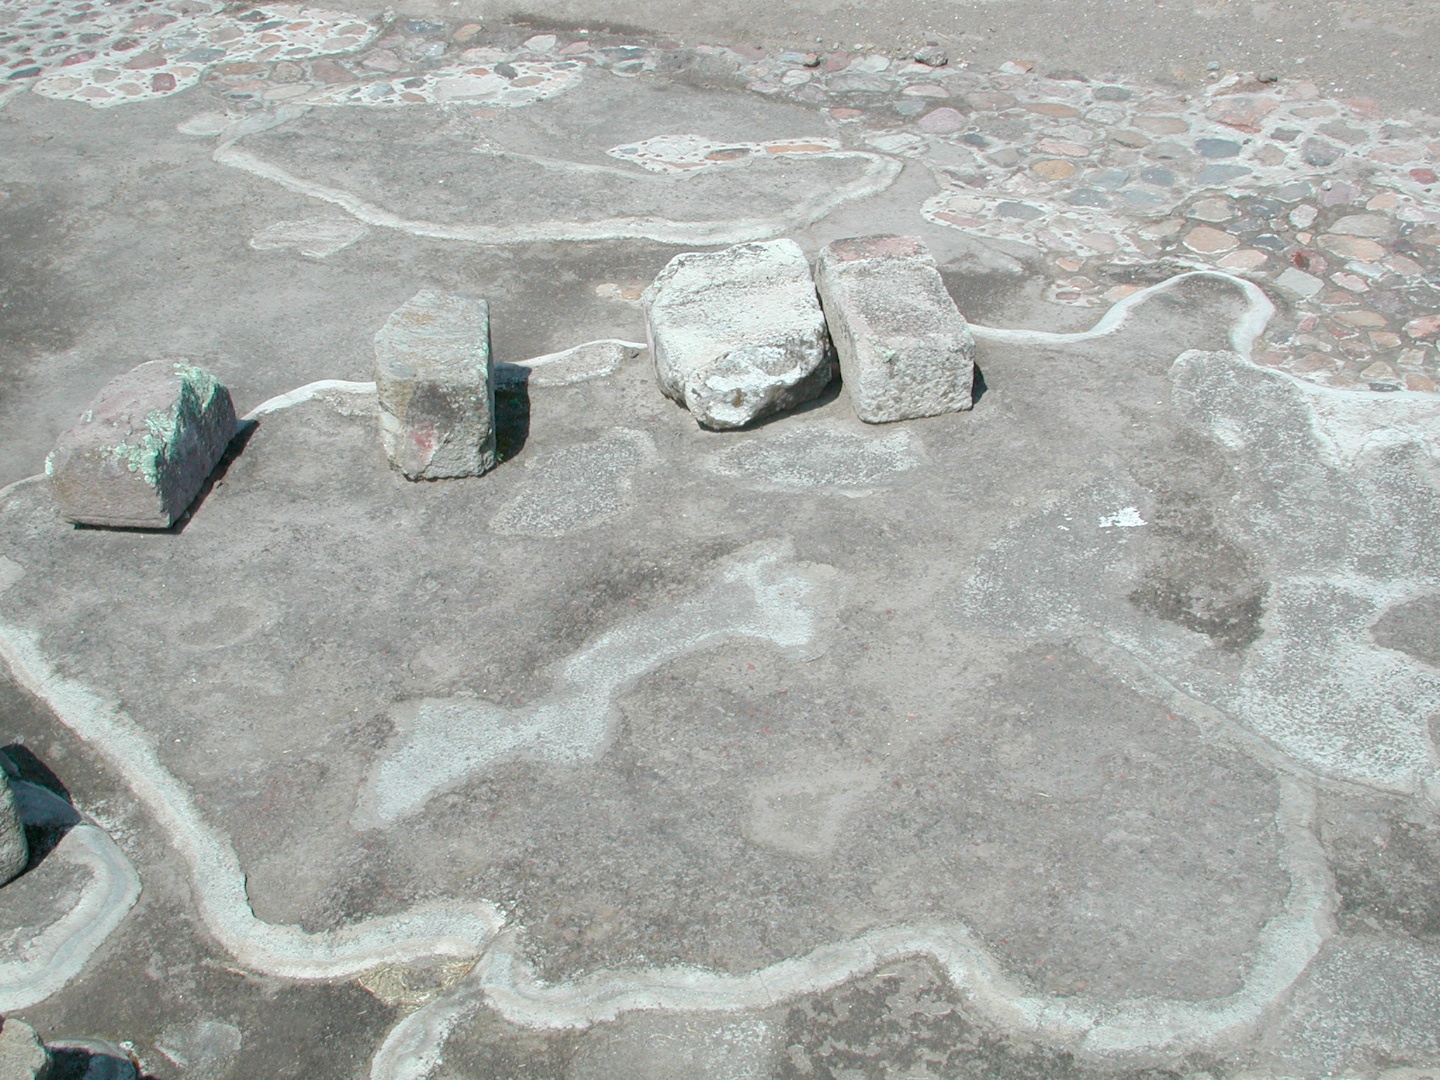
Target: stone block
<point x="905" y="350"/>
<point x="144" y="448"/>
<point x="22" y="1055"/>
<point x="14" y="847"/>
<point x="435" y="381"/>
<point x="738" y="334"/>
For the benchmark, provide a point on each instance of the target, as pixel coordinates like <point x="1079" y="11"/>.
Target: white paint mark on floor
<point x="1126" y="518"/>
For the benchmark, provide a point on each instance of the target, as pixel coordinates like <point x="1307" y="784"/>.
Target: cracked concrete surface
<point x="1091" y="733"/>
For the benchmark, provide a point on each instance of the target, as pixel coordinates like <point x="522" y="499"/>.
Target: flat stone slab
<point x="143" y="449"/>
<point x="905" y="350"/>
<point x="738" y="334"/>
<point x="436" y="387"/>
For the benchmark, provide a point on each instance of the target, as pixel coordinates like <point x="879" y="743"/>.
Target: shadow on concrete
<point x="86" y="1062"/>
<point x="45" y="830"/>
<point x="512" y="419"/>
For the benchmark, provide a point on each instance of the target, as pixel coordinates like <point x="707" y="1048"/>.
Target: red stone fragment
<point x="162" y="82"/>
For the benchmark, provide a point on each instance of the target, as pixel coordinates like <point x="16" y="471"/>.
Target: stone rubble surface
<point x="738" y="335"/>
<point x="435" y="382"/>
<point x="144" y="448"/>
<point x="905" y="350"/>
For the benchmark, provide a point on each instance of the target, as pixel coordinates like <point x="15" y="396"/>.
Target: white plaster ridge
<point x="217" y="881"/>
<point x="308" y="392"/>
<point x="440" y="741"/>
<point x="1137" y="1030"/>
<point x="880" y="173"/>
<point x="1248" y="326"/>
<point x="60" y="952"/>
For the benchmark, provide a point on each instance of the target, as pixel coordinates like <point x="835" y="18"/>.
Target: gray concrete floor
<point x="1089" y="733"/>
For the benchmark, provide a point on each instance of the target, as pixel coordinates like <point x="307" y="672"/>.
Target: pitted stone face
<point x="738" y="335"/>
<point x="144" y="448"/>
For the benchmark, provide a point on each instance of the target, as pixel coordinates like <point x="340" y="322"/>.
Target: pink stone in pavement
<point x="1365" y="320"/>
<point x="1353" y="247"/>
<point x="1242" y="111"/>
<point x="1063" y="147"/>
<point x="1208" y="241"/>
<point x="1425" y="326"/>
<point x="1420" y="384"/>
<point x="942" y="121"/>
<point x="143" y="449"/>
<point x="905" y="350"/>
<point x="1424" y="176"/>
<point x="1247" y="259"/>
<point x="990" y="100"/>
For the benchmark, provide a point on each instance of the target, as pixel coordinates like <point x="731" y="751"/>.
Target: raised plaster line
<point x="1347" y="424"/>
<point x="1247" y="328"/>
<point x="880" y="174"/>
<point x="309" y="391"/>
<point x="217" y="881"/>
<point x="61" y="951"/>
<point x="566" y="354"/>
<point x="1133" y="1030"/>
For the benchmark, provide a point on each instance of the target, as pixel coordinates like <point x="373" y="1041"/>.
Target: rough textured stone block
<point x="738" y="334"/>
<point x="142" y="451"/>
<point x="905" y="350"/>
<point x="22" y="1055"/>
<point x="14" y="848"/>
<point x="435" y="381"/>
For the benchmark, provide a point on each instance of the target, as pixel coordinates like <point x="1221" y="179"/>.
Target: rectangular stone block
<point x="436" y="385"/>
<point x="738" y="334"/>
<point x="905" y="350"/>
<point x="144" y="448"/>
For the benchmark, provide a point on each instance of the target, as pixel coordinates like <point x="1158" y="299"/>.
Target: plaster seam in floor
<point x="1134" y="1030"/>
<point x="60" y="951"/>
<point x="880" y="173"/>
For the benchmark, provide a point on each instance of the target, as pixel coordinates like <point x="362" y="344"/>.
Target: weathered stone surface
<point x="14" y="848"/>
<point x="435" y="382"/>
<point x="905" y="350"/>
<point x="738" y="334"/>
<point x="22" y="1055"/>
<point x="142" y="450"/>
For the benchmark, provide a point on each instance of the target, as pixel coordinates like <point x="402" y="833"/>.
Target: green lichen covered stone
<point x="143" y="449"/>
